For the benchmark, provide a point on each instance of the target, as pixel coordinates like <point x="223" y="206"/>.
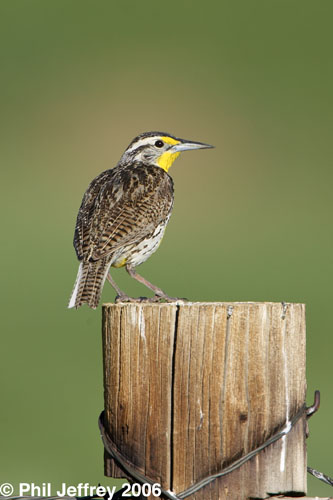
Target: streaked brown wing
<point x="86" y="214"/>
<point x="122" y="209"/>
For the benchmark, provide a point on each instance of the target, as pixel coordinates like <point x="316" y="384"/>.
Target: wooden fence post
<point x="193" y="389"/>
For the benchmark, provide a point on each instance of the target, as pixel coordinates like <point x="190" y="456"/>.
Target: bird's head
<point x="158" y="148"/>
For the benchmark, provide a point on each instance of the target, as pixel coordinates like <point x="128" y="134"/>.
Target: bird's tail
<point x="89" y="283"/>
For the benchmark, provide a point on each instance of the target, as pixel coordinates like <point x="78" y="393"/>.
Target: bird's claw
<point x="167" y="298"/>
<point x="151" y="300"/>
<point x="125" y="298"/>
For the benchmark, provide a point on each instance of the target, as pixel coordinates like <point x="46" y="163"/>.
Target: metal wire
<point x="131" y="471"/>
<point x="321" y="476"/>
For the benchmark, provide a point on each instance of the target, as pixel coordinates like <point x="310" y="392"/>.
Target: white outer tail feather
<point x="74" y="296"/>
<point x="76" y="287"/>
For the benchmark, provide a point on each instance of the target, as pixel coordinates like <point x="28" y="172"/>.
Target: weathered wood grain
<point x="190" y="388"/>
<point x="138" y="347"/>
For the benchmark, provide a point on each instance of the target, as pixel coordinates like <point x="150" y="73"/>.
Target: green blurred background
<point x="252" y="218"/>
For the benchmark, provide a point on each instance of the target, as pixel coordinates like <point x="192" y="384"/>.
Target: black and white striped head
<point x="158" y="148"/>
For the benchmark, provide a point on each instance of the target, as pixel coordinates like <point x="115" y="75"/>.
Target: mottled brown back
<point x="121" y="206"/>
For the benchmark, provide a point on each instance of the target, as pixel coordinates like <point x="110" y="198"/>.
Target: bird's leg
<point x="159" y="294"/>
<point x="121" y="296"/>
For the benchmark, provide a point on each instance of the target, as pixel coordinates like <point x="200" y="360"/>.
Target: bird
<point x="123" y="216"/>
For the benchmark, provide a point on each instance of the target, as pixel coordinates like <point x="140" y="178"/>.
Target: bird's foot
<point x="151" y="300"/>
<point x="167" y="298"/>
<point x="126" y="298"/>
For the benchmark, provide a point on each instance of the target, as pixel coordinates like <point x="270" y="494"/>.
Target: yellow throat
<point x="166" y="159"/>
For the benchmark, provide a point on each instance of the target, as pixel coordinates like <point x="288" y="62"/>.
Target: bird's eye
<point x="159" y="144"/>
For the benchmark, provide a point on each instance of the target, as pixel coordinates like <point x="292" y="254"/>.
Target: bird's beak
<point x="187" y="145"/>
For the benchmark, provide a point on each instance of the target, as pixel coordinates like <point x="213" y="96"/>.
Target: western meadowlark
<point x="123" y="215"/>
